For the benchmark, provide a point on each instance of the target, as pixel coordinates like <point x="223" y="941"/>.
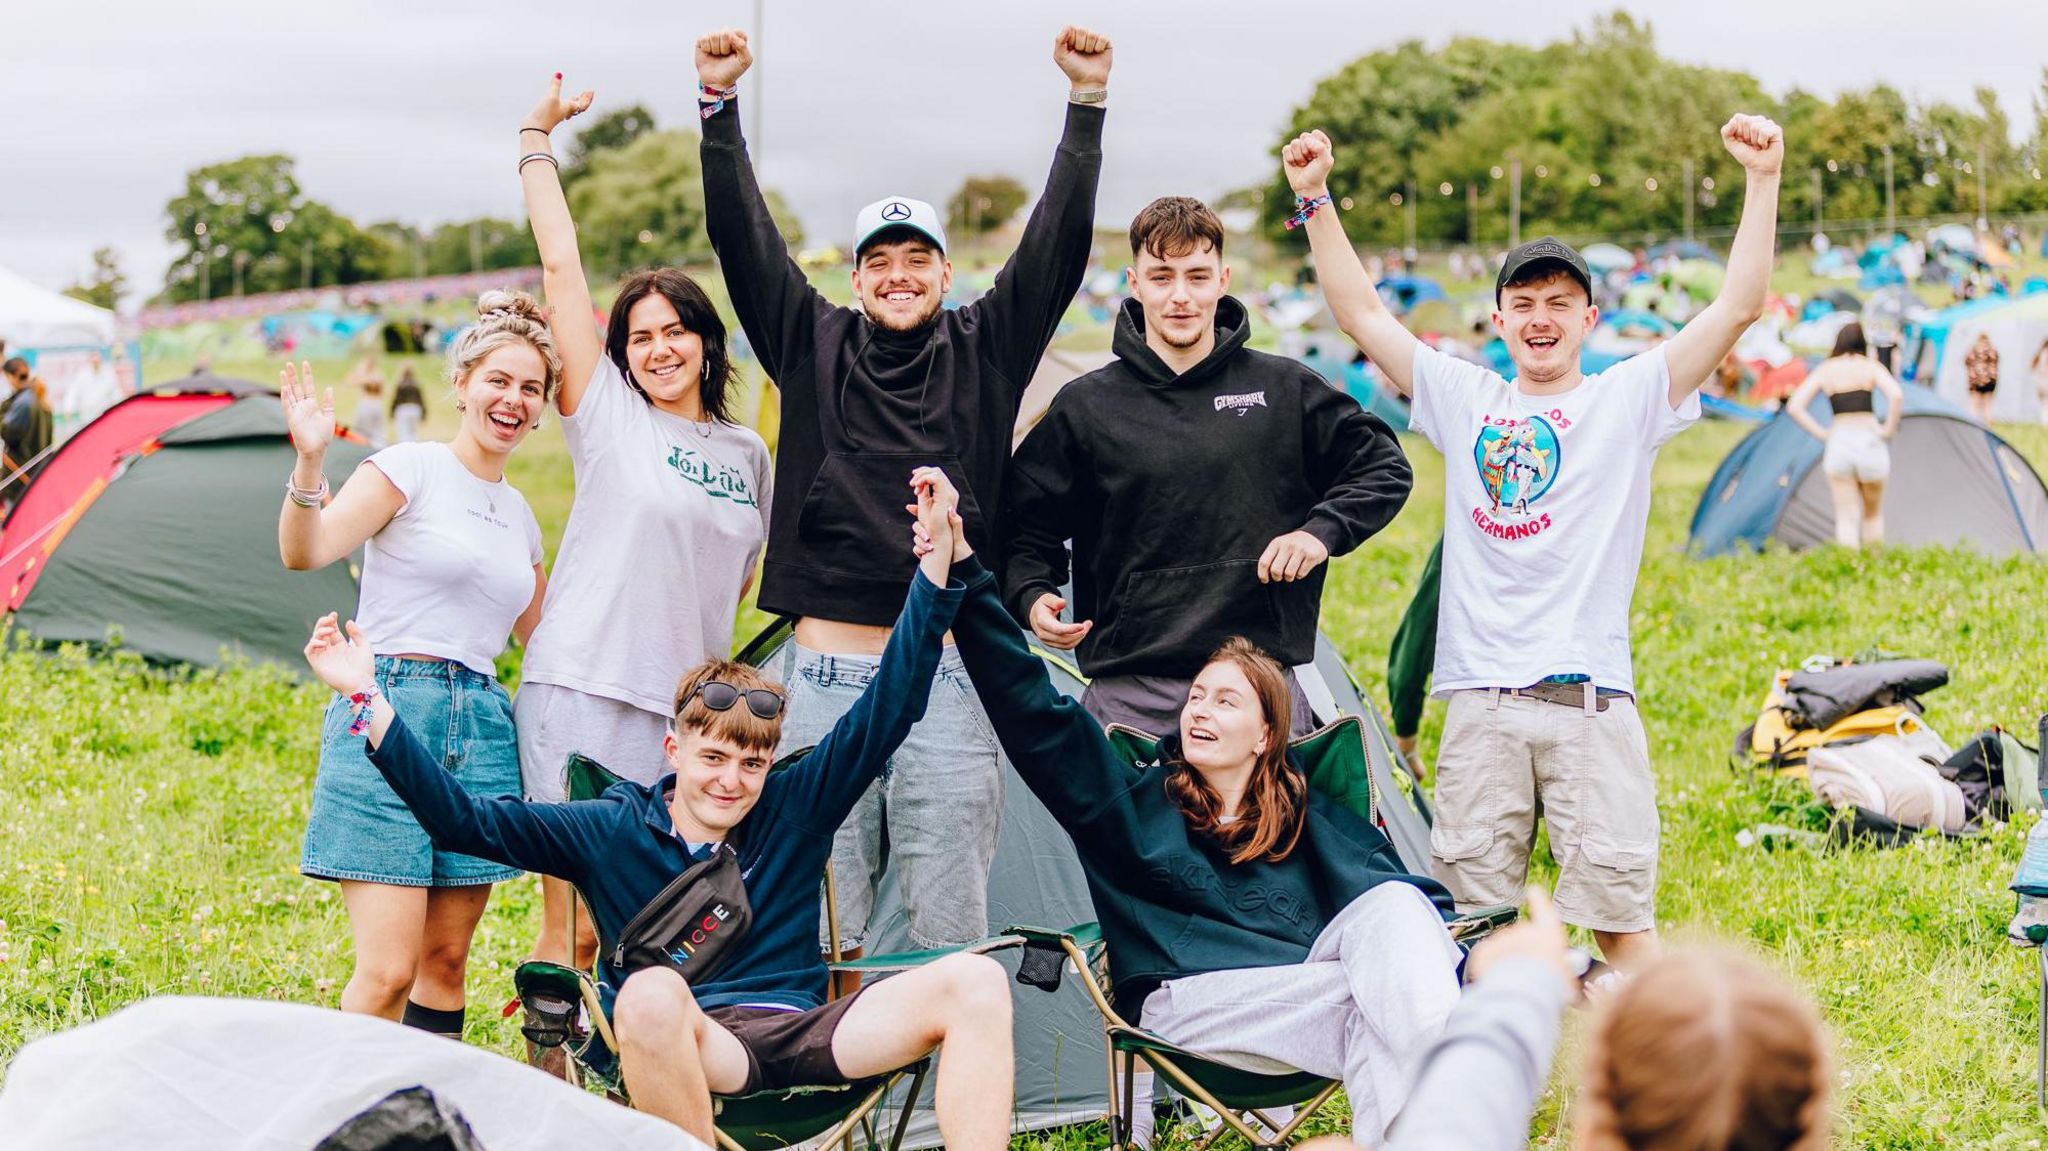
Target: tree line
<point x="1611" y="138"/>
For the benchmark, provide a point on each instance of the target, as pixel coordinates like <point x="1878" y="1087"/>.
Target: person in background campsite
<point x="27" y="427"/>
<point x="369" y="417"/>
<point x="901" y="380"/>
<point x="1858" y="458"/>
<point x="408" y="407"/>
<point x="670" y="513"/>
<point x="746" y="1010"/>
<point x="1248" y="918"/>
<point x="1980" y="369"/>
<point x="1288" y="472"/>
<point x="451" y="566"/>
<point x="1533" y="624"/>
<point x="2039" y="370"/>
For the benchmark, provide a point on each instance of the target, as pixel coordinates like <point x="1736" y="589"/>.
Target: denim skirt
<point x="360" y="829"/>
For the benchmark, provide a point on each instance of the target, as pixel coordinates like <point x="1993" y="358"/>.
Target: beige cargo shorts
<point x="1505" y="760"/>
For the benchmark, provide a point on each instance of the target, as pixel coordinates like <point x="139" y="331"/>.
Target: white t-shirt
<point x="453" y="570"/>
<point x="1546" y="501"/>
<point x="668" y="520"/>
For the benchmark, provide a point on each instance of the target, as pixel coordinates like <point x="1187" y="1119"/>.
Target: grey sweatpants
<point x="1378" y="986"/>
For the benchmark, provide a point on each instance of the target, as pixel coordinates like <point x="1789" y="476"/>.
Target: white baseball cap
<point x="898" y="212"/>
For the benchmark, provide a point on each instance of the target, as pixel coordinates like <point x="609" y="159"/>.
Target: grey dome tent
<point x="1953" y="482"/>
<point x="1061" y="1073"/>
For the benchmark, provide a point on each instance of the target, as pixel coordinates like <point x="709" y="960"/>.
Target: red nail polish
<point x="558" y="75"/>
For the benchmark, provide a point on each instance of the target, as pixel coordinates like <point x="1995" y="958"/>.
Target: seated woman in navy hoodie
<point x="1247" y="918"/>
<point x="759" y="1021"/>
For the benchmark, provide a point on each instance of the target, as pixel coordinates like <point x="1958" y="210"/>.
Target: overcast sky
<point x="409" y="109"/>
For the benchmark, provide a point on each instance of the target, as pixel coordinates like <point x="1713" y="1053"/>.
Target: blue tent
<point x="1407" y="291"/>
<point x="1954" y="482"/>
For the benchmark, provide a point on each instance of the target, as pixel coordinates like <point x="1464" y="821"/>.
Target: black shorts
<point x="786" y="1048"/>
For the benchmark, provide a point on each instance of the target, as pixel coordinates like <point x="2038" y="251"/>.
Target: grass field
<point x="151" y="824"/>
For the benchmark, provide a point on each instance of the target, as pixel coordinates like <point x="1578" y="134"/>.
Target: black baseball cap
<point x="1548" y="249"/>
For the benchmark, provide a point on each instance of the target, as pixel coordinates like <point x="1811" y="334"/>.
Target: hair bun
<point x="503" y="303"/>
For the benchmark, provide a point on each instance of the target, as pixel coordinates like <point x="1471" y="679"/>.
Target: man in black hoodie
<point x="869" y="394"/>
<point x="1203" y="485"/>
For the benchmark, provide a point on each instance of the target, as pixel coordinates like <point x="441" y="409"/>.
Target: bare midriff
<point x="835" y="638"/>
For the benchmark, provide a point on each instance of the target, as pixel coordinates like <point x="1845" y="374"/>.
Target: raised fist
<point x="1083" y="56"/>
<point x="552" y="109"/>
<point x="1307" y="160"/>
<point x="722" y="58"/>
<point x="1756" y="142"/>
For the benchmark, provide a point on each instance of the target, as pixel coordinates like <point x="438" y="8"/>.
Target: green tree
<point x="641" y="204"/>
<point x="484" y="244"/>
<point x="610" y="132"/>
<point x="983" y="204"/>
<point x="105" y="285"/>
<point x="250" y="214"/>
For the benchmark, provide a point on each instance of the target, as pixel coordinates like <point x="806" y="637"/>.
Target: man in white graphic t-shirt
<point x="1546" y="501"/>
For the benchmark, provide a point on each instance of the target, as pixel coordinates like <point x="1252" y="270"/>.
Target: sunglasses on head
<point x="721" y="696"/>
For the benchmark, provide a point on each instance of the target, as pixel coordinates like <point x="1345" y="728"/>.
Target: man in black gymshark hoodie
<point x="868" y="395"/>
<point x="1203" y="485"/>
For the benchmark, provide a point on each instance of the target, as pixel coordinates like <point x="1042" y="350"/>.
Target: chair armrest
<point x="910" y="960"/>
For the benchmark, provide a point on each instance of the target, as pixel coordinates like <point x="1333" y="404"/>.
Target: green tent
<point x="165" y="537"/>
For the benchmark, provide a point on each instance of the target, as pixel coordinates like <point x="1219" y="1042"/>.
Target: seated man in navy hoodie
<point x="1202" y="483"/>
<point x="759" y="1020"/>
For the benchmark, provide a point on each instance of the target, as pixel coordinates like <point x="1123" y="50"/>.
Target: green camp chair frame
<point x="763" y="1119"/>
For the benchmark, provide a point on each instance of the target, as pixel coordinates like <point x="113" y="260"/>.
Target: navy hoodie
<point x="1171" y="487"/>
<point x="621" y="849"/>
<point x="1170" y="904"/>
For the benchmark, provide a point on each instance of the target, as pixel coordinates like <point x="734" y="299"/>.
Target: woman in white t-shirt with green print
<point x="451" y="566"/>
<point x="670" y="512"/>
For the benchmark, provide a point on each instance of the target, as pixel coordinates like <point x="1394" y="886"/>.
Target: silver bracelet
<point x="530" y="157"/>
<point x="302" y="497"/>
<point x="1088" y="96"/>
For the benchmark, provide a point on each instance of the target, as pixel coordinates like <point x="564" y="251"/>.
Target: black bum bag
<point x="693" y="924"/>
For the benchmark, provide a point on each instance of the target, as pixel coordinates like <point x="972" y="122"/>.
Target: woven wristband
<point x="361" y="707"/>
<point x="1304" y="210"/>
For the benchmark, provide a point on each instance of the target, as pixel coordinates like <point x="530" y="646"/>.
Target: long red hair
<point x="1269" y="816"/>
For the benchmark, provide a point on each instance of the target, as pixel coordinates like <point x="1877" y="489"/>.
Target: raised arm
<point x="773" y="298"/>
<point x="1355" y="303"/>
<point x="1037" y="283"/>
<point x="1758" y="144"/>
<point x="554" y="233"/>
<point x="852" y="754"/>
<point x="541" y="837"/>
<point x="313" y="532"/>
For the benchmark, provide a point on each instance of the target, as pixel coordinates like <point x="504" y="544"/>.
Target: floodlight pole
<point x="758" y="134"/>
<point x="1409" y="204"/>
<point x="1891" y="211"/>
<point x="1472" y="212"/>
<point x="1514" y="203"/>
<point x="1687" y="196"/>
<point x="1983" y="208"/>
<point x="1819" y="203"/>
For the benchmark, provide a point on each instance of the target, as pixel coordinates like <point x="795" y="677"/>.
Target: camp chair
<point x="553" y="993"/>
<point x="1333" y="758"/>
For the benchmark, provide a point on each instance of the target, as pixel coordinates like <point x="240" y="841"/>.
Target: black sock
<point x="445" y="1023"/>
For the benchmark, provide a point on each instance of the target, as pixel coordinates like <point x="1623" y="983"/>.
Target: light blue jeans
<point x="931" y="818"/>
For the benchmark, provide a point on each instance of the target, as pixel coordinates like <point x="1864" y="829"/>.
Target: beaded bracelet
<point x="712" y="100"/>
<point x="1304" y="209"/>
<point x="361" y="707"/>
<point x="302" y="497"/>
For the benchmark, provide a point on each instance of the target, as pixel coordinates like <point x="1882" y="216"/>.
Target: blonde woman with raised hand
<point x="670" y="514"/>
<point x="451" y="566"/>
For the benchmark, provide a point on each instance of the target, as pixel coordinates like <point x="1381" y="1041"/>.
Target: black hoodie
<point x="862" y="406"/>
<point x="1171" y="486"/>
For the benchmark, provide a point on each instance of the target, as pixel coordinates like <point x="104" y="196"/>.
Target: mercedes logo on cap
<point x="896" y="210"/>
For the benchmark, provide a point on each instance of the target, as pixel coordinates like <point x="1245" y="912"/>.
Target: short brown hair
<point x="1702" y="1051"/>
<point x="736" y="724"/>
<point x="1174" y="226"/>
<point x="1270" y="814"/>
